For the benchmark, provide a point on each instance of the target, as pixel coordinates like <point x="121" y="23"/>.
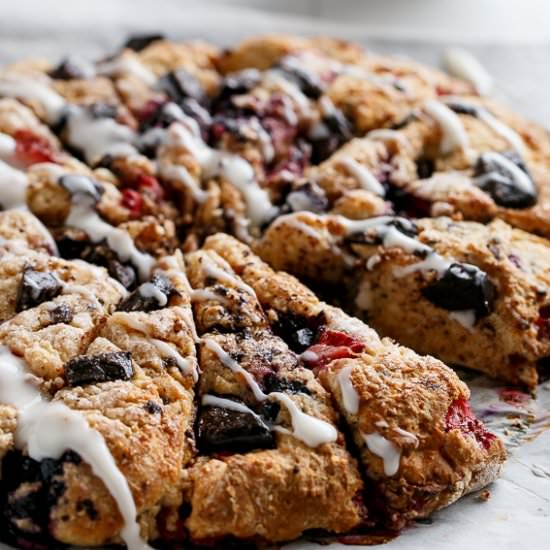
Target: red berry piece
<point x="332" y="345"/>
<point x="32" y="149"/>
<point x="514" y="397"/>
<point x="149" y="185"/>
<point x="133" y="201"/>
<point x="461" y="417"/>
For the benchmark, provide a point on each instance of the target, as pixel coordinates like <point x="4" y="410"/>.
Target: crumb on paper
<point x="484" y="495"/>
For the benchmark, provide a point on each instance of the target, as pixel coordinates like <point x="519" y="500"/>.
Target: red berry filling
<point x="136" y="189"/>
<point x="32" y="149"/>
<point x="461" y="417"/>
<point x="332" y="345"/>
<point x="543" y="322"/>
<point x="133" y="201"/>
<point x="514" y="397"/>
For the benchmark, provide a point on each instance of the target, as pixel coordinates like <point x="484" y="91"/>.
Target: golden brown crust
<point x="402" y="396"/>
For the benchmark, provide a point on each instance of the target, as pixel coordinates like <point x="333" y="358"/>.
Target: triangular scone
<point x="470" y="294"/>
<point x="276" y="465"/>
<point x="420" y="445"/>
<point x="127" y="377"/>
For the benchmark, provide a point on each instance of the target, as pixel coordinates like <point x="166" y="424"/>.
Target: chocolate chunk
<point x="181" y="84"/>
<point x="61" y="314"/>
<point x="333" y="131"/>
<point x="464" y="109"/>
<point x="103" y="367"/>
<point x="239" y="83"/>
<point x="463" y="287"/>
<point x="149" y="296"/>
<point x="77" y="184"/>
<point x="299" y="332"/>
<point x="138" y="42"/>
<point x="272" y="382"/>
<point x="309" y="83"/>
<point x="99" y="254"/>
<point x="43" y="488"/>
<point x="124" y="274"/>
<point x="505" y="177"/>
<point x="153" y="408"/>
<point x="35" y="288"/>
<point x="221" y="429"/>
<point x="424" y="167"/>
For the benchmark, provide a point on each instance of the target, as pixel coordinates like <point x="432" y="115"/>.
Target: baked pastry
<point x="123" y="365"/>
<point x="419" y="445"/>
<point x="471" y="294"/>
<point x="160" y="382"/>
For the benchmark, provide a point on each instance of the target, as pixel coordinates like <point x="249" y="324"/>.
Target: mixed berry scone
<point x="419" y="444"/>
<point x="159" y="382"/>
<point x="276" y="465"/>
<point x="471" y="294"/>
<point x="97" y="402"/>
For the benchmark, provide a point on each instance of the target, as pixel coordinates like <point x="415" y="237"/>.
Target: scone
<point x="471" y="294"/>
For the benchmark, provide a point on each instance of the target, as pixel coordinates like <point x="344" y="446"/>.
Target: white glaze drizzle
<point x="149" y="290"/>
<point x="408" y="436"/>
<point x="96" y="137"/>
<point x="309" y="429"/>
<point x="126" y="66"/>
<point x="290" y="220"/>
<point x="222" y="403"/>
<point x="463" y="64"/>
<point x="234" y="367"/>
<point x="13" y="187"/>
<point x="203" y="294"/>
<point x="83" y="216"/>
<point x="385" y="449"/>
<point x="454" y="135"/>
<point x="520" y="178"/>
<point x="350" y="398"/>
<point x="503" y="130"/>
<point x="182" y="175"/>
<point x="363" y="175"/>
<point x="466" y="317"/>
<point x="72" y="288"/>
<point x="77" y="183"/>
<point x="7" y="147"/>
<point x="266" y="144"/>
<point x="184" y="365"/>
<point x="212" y="270"/>
<point x="392" y="237"/>
<point x="276" y="79"/>
<point x="24" y="87"/>
<point x="47" y="429"/>
<point x="236" y="170"/>
<point x="386" y="134"/>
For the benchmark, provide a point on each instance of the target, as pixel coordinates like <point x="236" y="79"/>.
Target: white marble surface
<point x="517" y="516"/>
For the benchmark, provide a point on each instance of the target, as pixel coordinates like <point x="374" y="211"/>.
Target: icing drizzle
<point x="309" y="429"/>
<point x="46" y="429"/>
